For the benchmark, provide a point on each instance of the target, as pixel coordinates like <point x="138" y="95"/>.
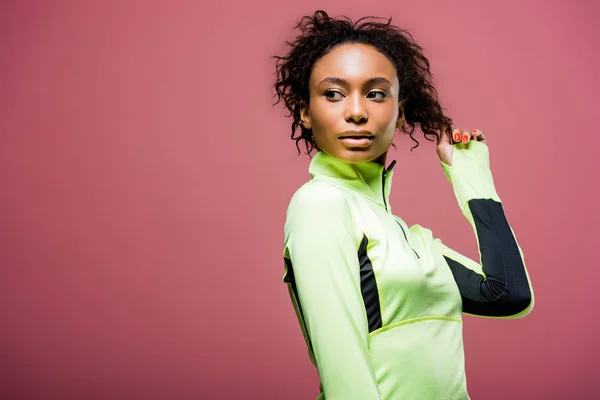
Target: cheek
<point x="389" y="119"/>
<point x="323" y="117"/>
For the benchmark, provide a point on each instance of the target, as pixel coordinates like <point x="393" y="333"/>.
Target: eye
<point x="382" y="95"/>
<point x="330" y="94"/>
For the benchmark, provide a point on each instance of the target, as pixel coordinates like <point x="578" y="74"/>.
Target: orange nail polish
<point x="457" y="137"/>
<point x="465" y="139"/>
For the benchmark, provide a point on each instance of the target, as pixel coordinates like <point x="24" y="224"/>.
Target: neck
<point x="381" y="159"/>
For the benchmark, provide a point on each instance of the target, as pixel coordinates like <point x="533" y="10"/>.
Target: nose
<point x="356" y="110"/>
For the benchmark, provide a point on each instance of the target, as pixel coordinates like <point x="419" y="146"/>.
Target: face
<point x="354" y="107"/>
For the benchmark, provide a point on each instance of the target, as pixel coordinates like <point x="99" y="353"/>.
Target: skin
<point x="355" y="87"/>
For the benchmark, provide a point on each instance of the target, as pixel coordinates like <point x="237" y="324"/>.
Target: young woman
<point x="379" y="302"/>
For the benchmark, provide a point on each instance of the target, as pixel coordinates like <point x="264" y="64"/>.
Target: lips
<point x="357" y="139"/>
<point x="362" y="134"/>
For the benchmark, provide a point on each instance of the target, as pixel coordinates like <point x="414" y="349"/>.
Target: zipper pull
<point x="389" y="168"/>
<point x="384" y="175"/>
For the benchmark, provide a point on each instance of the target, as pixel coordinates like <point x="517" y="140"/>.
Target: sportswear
<point x="379" y="302"/>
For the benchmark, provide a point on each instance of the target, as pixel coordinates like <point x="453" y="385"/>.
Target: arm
<point x="325" y="288"/>
<point x="500" y="286"/>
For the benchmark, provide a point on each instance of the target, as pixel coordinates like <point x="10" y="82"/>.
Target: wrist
<point x="470" y="173"/>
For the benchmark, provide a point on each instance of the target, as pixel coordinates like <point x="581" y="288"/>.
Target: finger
<point x="456" y="135"/>
<point x="466" y="136"/>
<point x="478" y="135"/>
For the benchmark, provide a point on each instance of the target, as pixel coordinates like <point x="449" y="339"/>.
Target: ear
<point x="401" y="118"/>
<point x="305" y="120"/>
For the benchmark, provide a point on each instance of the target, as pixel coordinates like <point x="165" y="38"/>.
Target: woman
<point x="379" y="302"/>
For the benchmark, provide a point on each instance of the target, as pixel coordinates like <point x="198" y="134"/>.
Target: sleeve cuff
<point x="470" y="173"/>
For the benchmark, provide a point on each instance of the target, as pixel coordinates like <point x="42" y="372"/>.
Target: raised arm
<point x="322" y="271"/>
<point x="498" y="286"/>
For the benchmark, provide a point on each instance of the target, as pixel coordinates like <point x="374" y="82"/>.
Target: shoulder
<point x="320" y="202"/>
<point x="318" y="196"/>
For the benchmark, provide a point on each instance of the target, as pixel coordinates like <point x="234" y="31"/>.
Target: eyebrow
<point x="368" y="82"/>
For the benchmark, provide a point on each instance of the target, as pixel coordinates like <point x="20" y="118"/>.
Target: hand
<point x="445" y="146"/>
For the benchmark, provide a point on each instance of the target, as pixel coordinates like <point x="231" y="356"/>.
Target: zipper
<point x="384" y="175"/>
<point x="406" y="238"/>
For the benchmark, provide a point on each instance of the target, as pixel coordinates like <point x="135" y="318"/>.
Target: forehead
<point x="354" y="62"/>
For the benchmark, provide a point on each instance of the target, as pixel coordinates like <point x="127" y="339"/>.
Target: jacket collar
<point x="367" y="178"/>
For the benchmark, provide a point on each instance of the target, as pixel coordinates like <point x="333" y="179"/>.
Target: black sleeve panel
<point x="505" y="289"/>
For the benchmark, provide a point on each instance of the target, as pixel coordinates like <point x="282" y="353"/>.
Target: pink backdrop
<point x="144" y="178"/>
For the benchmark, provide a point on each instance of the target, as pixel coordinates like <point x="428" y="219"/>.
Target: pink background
<point x="144" y="178"/>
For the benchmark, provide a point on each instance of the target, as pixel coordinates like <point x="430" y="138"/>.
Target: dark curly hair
<point x="321" y="33"/>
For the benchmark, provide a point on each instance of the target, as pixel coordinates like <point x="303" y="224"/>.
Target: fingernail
<point x="465" y="139"/>
<point x="457" y="137"/>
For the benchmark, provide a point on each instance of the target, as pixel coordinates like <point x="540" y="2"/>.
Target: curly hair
<point x="319" y="34"/>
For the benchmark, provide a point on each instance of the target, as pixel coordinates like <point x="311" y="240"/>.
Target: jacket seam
<point x="414" y="320"/>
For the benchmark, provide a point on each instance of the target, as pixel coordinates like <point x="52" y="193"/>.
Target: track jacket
<point x="379" y="302"/>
